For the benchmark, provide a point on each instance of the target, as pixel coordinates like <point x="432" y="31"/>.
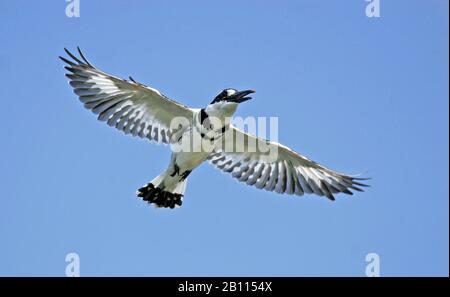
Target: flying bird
<point x="143" y="111"/>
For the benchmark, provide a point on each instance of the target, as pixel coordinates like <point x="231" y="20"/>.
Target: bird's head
<point x="232" y="96"/>
<point x="226" y="103"/>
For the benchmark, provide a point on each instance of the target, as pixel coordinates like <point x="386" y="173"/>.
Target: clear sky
<point x="354" y="93"/>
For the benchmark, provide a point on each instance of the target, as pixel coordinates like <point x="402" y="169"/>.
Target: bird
<point x="145" y="112"/>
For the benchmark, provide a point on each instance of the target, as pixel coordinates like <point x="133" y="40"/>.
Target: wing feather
<point x="289" y="173"/>
<point x="129" y="106"/>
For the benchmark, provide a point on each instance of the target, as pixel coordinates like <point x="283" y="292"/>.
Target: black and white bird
<point x="143" y="111"/>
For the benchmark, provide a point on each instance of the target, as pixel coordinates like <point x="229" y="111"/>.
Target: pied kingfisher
<point x="143" y="111"/>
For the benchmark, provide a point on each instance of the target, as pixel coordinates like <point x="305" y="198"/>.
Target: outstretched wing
<point x="127" y="105"/>
<point x="278" y="168"/>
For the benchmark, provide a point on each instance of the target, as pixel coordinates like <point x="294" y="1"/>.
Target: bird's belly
<point x="192" y="151"/>
<point x="190" y="160"/>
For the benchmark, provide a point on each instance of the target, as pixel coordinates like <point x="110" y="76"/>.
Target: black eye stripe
<point x="221" y="97"/>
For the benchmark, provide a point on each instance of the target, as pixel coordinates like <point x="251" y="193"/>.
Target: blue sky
<point x="354" y="93"/>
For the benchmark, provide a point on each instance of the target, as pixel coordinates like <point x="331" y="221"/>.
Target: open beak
<point x="241" y="96"/>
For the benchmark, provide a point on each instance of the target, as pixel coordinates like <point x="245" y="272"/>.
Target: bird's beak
<point x="240" y="97"/>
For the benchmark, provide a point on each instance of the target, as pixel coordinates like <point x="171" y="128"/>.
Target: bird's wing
<point x="274" y="167"/>
<point x="127" y="105"/>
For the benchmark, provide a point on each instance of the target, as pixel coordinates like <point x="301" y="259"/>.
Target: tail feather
<point x="159" y="197"/>
<point x="164" y="191"/>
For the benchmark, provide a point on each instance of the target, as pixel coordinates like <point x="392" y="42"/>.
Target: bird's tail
<point x="164" y="191"/>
